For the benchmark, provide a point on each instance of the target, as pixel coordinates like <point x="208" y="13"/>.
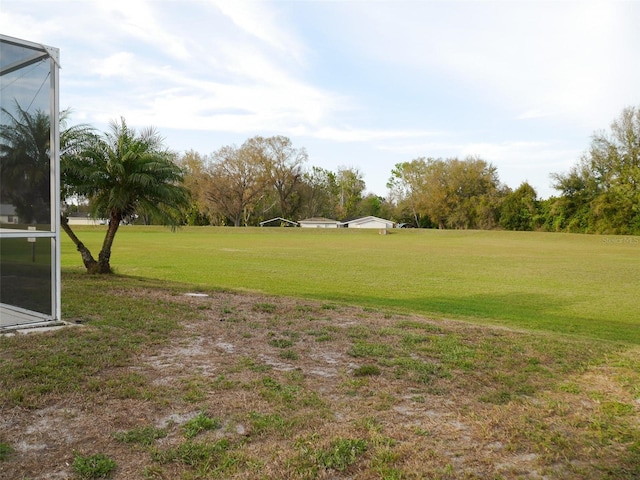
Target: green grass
<point x="5" y="451"/>
<point x="141" y="435"/>
<point x="93" y="466"/>
<point x="366" y="371"/>
<point x="289" y="355"/>
<point x="566" y="283"/>
<point x="264" y="424"/>
<point x="192" y="453"/>
<point x="280" y="343"/>
<point x="200" y="423"/>
<point x="121" y="329"/>
<point x="341" y="453"/>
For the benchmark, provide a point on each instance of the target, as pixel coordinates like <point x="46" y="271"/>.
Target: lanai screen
<point x="29" y="183"/>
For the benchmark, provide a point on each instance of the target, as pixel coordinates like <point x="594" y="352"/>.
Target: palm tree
<point x="25" y="164"/>
<point x="123" y="172"/>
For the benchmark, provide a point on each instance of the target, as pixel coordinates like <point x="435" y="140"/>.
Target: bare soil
<point x="227" y="362"/>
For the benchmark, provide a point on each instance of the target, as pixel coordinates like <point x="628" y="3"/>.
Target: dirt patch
<point x="280" y="377"/>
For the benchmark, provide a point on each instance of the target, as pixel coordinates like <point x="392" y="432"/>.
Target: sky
<point x="359" y="84"/>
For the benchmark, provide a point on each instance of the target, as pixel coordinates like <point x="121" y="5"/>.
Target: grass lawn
<point x="575" y="284"/>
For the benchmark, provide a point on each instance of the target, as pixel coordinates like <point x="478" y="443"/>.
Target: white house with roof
<point x="319" y="222"/>
<point x="369" y="222"/>
<point x="8" y="214"/>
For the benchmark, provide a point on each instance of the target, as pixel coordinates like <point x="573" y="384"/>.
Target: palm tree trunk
<point x="104" y="257"/>
<point x="87" y="259"/>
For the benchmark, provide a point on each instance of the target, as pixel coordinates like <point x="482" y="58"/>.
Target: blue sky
<point x="364" y="84"/>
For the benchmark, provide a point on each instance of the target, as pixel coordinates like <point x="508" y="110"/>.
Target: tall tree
<point x="473" y="192"/>
<point x="519" y="209"/>
<point x="372" y="204"/>
<point x="408" y="188"/>
<point x="195" y="180"/>
<point x="351" y="185"/>
<point x="284" y="165"/>
<point x="122" y="172"/>
<point x="450" y="193"/>
<point x="571" y="211"/>
<point x="25" y="160"/>
<point x="237" y="180"/>
<point x="602" y="192"/>
<point x="438" y="194"/>
<point x="319" y="193"/>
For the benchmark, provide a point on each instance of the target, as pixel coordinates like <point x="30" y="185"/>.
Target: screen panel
<point x="29" y="183"/>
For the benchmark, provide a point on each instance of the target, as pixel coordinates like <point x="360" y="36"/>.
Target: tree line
<point x="266" y="178"/>
<point x="125" y="175"/>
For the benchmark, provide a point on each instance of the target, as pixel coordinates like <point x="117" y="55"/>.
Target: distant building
<point x="319" y="222"/>
<point x="278" y="222"/>
<point x="369" y="222"/>
<point x="88" y="220"/>
<point x="8" y="214"/>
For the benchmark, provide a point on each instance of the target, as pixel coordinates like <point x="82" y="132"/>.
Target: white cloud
<point x="535" y="113"/>
<point x="139" y="19"/>
<point x="505" y="152"/>
<point x="351" y="134"/>
<point x="376" y="82"/>
<point x="127" y="58"/>
<point x="21" y="25"/>
<point x="561" y="58"/>
<point x="120" y="64"/>
<point x="263" y="22"/>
